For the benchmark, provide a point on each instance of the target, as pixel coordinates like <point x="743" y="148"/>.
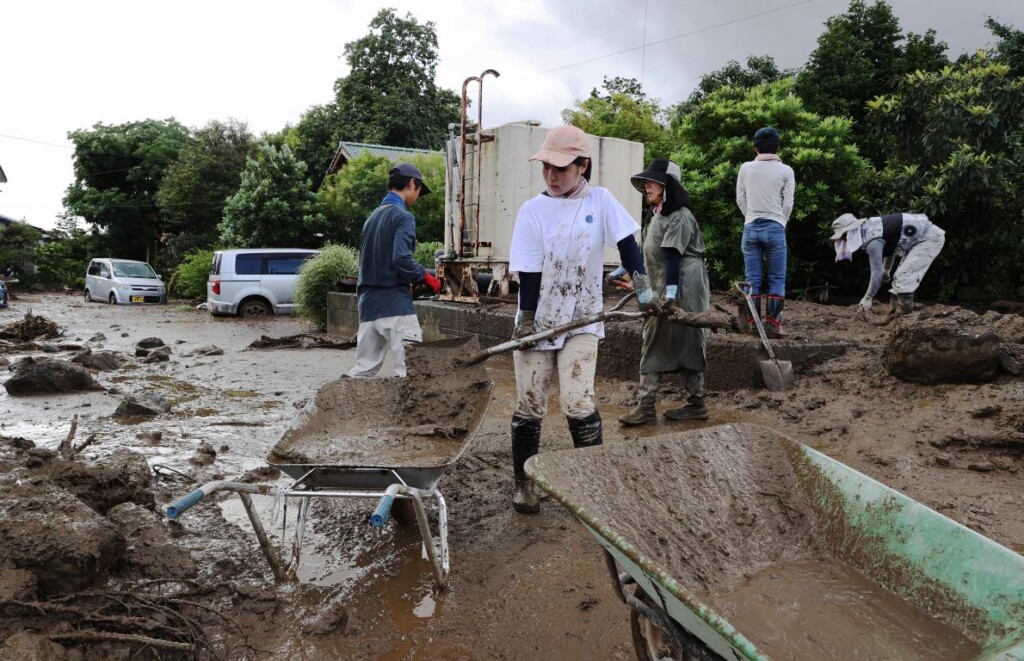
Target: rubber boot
<point x="695" y="409"/>
<point x="773" y="316"/>
<point x="525" y="444"/>
<point x="644" y="413"/>
<point x="906" y="303"/>
<point x="585" y="432"/>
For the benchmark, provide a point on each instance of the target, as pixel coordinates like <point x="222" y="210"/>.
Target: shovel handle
<point x="744" y="288"/>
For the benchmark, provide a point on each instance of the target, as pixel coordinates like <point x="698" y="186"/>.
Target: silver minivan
<point x="124" y="281"/>
<point x="254" y="281"/>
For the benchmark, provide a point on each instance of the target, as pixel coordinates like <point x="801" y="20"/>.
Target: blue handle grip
<point x="177" y="508"/>
<point x="380" y="515"/>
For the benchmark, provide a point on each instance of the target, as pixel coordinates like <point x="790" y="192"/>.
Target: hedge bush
<point x="424" y="253"/>
<point x="189" y="278"/>
<point x="321" y="275"/>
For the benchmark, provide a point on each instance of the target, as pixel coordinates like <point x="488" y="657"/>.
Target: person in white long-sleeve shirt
<point x="764" y="194"/>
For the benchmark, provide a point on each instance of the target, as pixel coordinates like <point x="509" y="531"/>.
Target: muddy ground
<point x="520" y="587"/>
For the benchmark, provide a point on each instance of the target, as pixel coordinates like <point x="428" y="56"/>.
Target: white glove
<point x="865" y="303"/>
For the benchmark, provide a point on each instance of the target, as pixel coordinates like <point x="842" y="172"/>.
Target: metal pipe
<point x="462" y="177"/>
<point x="261" y="535"/>
<point x="479" y="129"/>
<point x="440" y="575"/>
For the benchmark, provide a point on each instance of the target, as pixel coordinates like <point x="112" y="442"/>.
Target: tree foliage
<point x="1010" y="48"/>
<point x="955" y="144"/>
<point x="389" y="96"/>
<point x="17" y="245"/>
<point x="623" y="111"/>
<point x="118" y="170"/>
<point x="716" y="140"/>
<point x="314" y="140"/>
<point x="320" y="275"/>
<point x="759" y="70"/>
<point x="350" y="196"/>
<point x="273" y="207"/>
<point x="860" y="55"/>
<point x="190" y="276"/>
<point x="196" y="187"/>
<point x="61" y="261"/>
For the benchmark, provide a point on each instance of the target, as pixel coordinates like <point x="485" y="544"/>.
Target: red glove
<point x="432" y="282"/>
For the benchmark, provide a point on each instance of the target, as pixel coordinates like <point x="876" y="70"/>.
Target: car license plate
<point x="137" y="299"/>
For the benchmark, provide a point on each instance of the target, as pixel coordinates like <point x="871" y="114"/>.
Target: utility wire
<point x="38" y="142"/>
<point x="673" y="38"/>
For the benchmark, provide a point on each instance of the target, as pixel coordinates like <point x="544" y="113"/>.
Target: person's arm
<point x="529" y="290"/>
<point x="741" y="193"/>
<point x="874" y="250"/>
<point x="788" y="192"/>
<point x="401" y="253"/>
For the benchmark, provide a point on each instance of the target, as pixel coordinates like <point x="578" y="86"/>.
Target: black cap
<point x="766" y="136"/>
<point x="410" y="170"/>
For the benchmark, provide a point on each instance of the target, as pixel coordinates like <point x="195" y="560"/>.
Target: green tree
<point x="350" y="196"/>
<point x="955" y="144"/>
<point x="716" y="140"/>
<point x="196" y="187"/>
<point x="62" y="259"/>
<point x="118" y="170"/>
<point x="623" y="111"/>
<point x="17" y="246"/>
<point x="1010" y="49"/>
<point x="273" y="207"/>
<point x="860" y="55"/>
<point x="389" y="96"/>
<point x="759" y="70"/>
<point x="314" y="141"/>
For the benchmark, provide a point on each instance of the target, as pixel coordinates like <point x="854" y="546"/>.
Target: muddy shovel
<point x="777" y="374"/>
<point x="528" y="341"/>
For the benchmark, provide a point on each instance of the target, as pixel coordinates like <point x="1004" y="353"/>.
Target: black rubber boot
<point x="644" y="412"/>
<point x="695" y="409"/>
<point x="585" y="432"/>
<point x="773" y="316"/>
<point x="525" y="444"/>
<point x="906" y="303"/>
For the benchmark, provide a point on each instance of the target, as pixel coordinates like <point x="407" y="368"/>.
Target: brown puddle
<point x="823" y="609"/>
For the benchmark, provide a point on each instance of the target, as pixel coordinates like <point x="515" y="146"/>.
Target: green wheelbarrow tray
<point x="916" y="557"/>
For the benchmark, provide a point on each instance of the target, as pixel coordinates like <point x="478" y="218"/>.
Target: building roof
<point x="349" y="150"/>
<point x="3" y="177"/>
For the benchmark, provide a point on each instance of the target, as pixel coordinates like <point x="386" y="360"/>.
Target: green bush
<point x="424" y="253"/>
<point x="189" y="279"/>
<point x="319" y="276"/>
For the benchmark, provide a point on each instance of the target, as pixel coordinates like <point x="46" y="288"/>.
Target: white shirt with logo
<point x="564" y="240"/>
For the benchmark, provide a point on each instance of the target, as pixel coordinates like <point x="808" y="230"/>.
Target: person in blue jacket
<point x="387" y="272"/>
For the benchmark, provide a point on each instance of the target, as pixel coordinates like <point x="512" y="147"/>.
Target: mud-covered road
<point x="521" y="587"/>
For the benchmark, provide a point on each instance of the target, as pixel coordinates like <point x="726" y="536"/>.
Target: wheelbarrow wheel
<point x="652" y="644"/>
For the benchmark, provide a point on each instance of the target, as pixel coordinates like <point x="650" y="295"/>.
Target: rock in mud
<point x="209" y="350"/>
<point x="161" y="355"/>
<point x="98" y="337"/>
<point x="36" y="377"/>
<point x="47" y="347"/>
<point x="149" y="403"/>
<point x="60" y="539"/>
<point x="938" y="350"/>
<point x="204" y="456"/>
<point x="17" y="585"/>
<point x="102" y="361"/>
<point x="150" y="553"/>
<point x="149" y="343"/>
<point x="1011" y="359"/>
<point x="121" y="477"/>
<point x="26" y="646"/>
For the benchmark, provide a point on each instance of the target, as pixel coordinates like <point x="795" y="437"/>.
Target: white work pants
<point x="915" y="264"/>
<point x="376" y="337"/>
<point x="576" y="363"/>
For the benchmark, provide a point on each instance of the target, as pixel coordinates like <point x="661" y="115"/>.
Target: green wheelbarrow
<point x="733" y="542"/>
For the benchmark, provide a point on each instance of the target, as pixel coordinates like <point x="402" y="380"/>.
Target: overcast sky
<point x="68" y="64"/>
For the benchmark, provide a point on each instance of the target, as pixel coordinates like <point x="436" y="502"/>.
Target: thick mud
<point x="520" y="587"/>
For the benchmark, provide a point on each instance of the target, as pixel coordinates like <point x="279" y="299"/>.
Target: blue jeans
<point x="765" y="240"/>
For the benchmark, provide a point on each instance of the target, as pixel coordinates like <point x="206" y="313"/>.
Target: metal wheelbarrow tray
<point x="744" y="544"/>
<point x="376" y="438"/>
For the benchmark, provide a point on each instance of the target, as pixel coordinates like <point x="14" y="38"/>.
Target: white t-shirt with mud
<point x="564" y="240"/>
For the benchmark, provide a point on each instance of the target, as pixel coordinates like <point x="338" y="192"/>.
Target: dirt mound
<point x="30" y="328"/>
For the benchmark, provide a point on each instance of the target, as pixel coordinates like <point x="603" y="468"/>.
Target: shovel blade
<point x="777" y="374"/>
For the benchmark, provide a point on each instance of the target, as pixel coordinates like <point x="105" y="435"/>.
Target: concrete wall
<point x="733" y="360"/>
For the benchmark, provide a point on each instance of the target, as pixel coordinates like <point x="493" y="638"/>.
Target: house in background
<point x="3" y="177"/>
<point x="349" y="150"/>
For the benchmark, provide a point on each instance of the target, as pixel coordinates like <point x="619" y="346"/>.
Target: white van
<point x="254" y="281"/>
<point x="123" y="281"/>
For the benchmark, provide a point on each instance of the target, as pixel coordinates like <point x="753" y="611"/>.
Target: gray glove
<point x="644" y="295"/>
<point x="524" y="326"/>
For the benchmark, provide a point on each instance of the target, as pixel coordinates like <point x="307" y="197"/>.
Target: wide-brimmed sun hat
<point x="843" y="224"/>
<point x="658" y="171"/>
<point x="563" y="145"/>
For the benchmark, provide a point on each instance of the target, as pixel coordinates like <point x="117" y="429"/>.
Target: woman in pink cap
<point x="557" y="250"/>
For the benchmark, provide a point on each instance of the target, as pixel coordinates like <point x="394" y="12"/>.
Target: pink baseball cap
<point x="562" y="146"/>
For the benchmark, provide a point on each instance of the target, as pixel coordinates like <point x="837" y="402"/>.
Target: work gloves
<point x="524" y="326"/>
<point x="615" y="277"/>
<point x="644" y="295"/>
<point x="669" y="304"/>
<point x="432" y="282"/>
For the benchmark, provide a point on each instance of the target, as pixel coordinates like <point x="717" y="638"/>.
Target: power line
<point x="673" y="38"/>
<point x="38" y="142"/>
